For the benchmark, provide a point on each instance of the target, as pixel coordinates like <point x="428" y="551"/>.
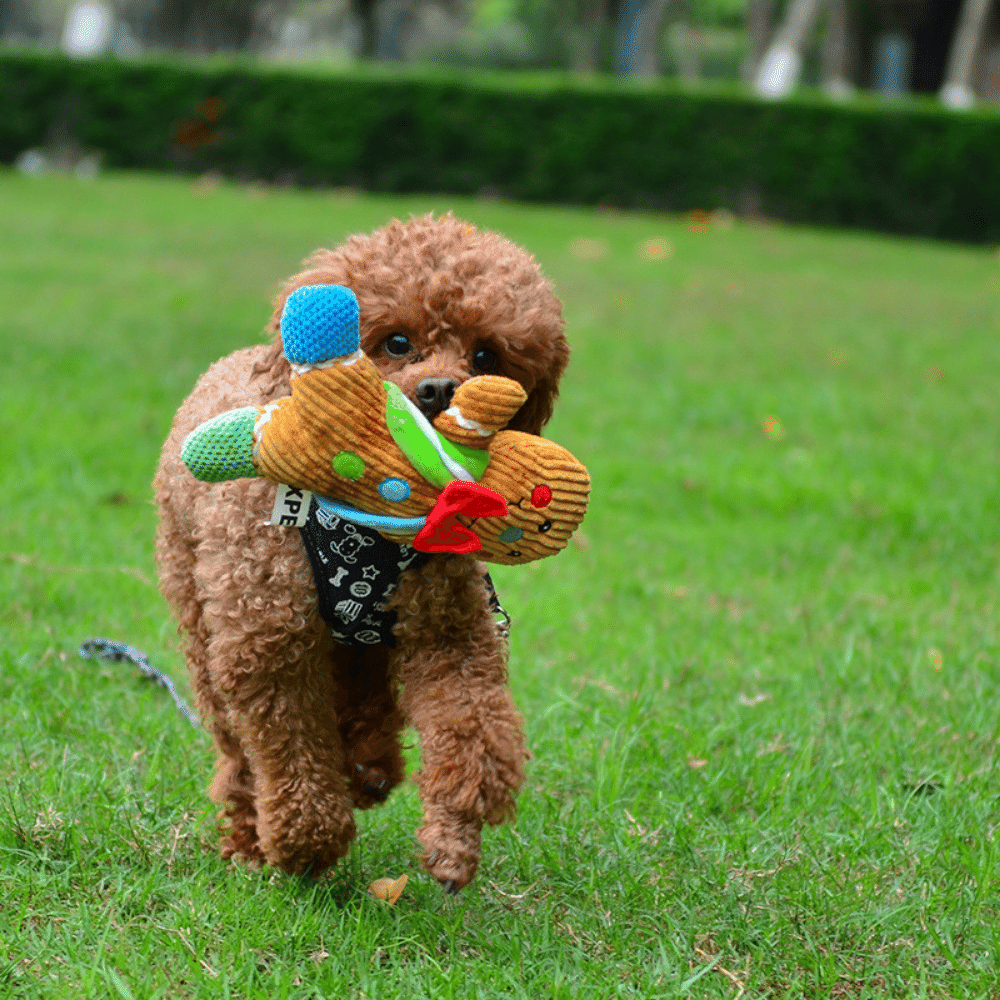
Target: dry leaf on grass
<point x="585" y="248"/>
<point x="656" y="248"/>
<point x="697" y="218"/>
<point x="387" y="889"/>
<point x="772" y="428"/>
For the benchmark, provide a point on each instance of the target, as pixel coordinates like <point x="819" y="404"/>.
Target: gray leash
<point x="118" y="652"/>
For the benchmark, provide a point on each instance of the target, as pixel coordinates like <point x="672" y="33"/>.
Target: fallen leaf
<point x="655" y="248"/>
<point x="387" y="889"/>
<point x="698" y="218"/>
<point x="772" y="428"/>
<point x="588" y="249"/>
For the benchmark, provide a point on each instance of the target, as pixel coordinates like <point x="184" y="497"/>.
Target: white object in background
<point x="957" y="92"/>
<point x="294" y="34"/>
<point x="32" y="162"/>
<point x="782" y="63"/>
<point x="778" y="73"/>
<point x="957" y="96"/>
<point x="87" y="31"/>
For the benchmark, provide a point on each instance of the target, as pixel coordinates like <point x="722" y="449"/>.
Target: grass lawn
<point x="761" y="693"/>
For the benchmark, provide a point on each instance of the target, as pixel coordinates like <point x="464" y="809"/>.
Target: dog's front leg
<point x="451" y="665"/>
<point x="271" y="679"/>
<point x="283" y="715"/>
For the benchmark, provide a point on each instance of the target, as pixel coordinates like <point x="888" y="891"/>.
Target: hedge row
<point x="906" y="168"/>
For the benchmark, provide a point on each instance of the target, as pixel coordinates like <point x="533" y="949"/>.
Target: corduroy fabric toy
<point x="462" y="485"/>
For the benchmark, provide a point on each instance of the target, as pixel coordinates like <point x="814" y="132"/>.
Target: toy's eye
<point x="486" y="360"/>
<point x="545" y="526"/>
<point x="397" y="345"/>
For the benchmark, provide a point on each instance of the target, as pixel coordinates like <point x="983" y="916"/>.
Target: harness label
<point x="291" y="507"/>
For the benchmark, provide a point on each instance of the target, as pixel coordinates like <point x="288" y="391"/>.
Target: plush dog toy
<point x="463" y="484"/>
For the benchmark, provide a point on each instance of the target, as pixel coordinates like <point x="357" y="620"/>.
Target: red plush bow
<point x="443" y="532"/>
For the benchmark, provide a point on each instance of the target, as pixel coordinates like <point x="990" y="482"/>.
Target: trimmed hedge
<point x="907" y="167"/>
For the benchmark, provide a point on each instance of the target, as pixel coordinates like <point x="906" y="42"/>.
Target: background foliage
<point x="911" y="169"/>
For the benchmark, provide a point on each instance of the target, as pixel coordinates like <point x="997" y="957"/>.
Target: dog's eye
<point x="486" y="360"/>
<point x="397" y="345"/>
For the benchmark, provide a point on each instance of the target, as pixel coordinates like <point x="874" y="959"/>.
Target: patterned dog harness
<point x="356" y="570"/>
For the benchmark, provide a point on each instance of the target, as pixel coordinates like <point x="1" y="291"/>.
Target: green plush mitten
<point x="222" y="448"/>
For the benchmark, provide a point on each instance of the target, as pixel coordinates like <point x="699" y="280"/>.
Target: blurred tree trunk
<point x="957" y="90"/>
<point x="8" y="19"/>
<point x="19" y="20"/>
<point x="760" y="27"/>
<point x="394" y="22"/>
<point x="639" y="24"/>
<point x="629" y="14"/>
<point x="586" y="54"/>
<point x="650" y="32"/>
<point x="837" y="51"/>
<point x="366" y="12"/>
<point x="688" y="48"/>
<point x="781" y="66"/>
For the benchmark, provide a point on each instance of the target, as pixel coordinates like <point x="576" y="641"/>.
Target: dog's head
<point x="440" y="302"/>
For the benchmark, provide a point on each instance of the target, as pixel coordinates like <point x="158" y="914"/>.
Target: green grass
<point x="762" y="693"/>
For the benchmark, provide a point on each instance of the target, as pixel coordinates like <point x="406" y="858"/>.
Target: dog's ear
<point x="542" y="359"/>
<point x="537" y="410"/>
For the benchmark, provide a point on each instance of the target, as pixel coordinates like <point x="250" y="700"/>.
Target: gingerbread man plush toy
<point x="371" y="458"/>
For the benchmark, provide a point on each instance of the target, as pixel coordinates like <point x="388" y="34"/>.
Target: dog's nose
<point x="434" y="395"/>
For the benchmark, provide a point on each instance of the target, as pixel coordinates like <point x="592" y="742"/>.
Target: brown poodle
<point x="308" y="726"/>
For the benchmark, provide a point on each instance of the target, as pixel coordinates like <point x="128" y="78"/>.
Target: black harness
<point x="356" y="570"/>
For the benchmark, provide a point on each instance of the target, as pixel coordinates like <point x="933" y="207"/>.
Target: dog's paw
<point x="303" y="839"/>
<point x="238" y="827"/>
<point x="246" y="850"/>
<point x="453" y="872"/>
<point x="370" y="785"/>
<point x="452" y="855"/>
<point x="306" y="859"/>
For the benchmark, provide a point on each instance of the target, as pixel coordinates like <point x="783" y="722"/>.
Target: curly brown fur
<point x="308" y="730"/>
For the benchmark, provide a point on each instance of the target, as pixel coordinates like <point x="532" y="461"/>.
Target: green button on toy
<point x="349" y="465"/>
